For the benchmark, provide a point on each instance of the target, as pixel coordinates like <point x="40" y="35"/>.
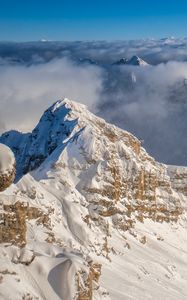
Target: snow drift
<point x="91" y="215"/>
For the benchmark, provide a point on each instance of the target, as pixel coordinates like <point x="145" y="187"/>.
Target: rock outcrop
<point x="86" y="195"/>
<point x="7" y="167"/>
<point x="178" y="177"/>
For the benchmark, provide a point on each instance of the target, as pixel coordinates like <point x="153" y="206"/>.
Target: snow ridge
<point x="92" y="206"/>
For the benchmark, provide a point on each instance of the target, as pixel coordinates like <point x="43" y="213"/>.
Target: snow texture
<point x="83" y="178"/>
<point x="7" y="159"/>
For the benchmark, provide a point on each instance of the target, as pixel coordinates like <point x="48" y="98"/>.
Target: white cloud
<point x="26" y="91"/>
<point x="154" y="108"/>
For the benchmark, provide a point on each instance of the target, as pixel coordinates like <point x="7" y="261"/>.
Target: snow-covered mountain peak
<point x="137" y="61"/>
<point x="91" y="202"/>
<point x="67" y="103"/>
<point x="133" y="61"/>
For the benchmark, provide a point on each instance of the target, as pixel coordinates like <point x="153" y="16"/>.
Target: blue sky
<point x="92" y="19"/>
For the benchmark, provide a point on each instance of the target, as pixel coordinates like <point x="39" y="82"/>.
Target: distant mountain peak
<point x="133" y="61"/>
<point x="137" y="61"/>
<point x="122" y="61"/>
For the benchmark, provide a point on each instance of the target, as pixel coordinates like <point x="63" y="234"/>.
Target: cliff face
<point x="14" y="216"/>
<point x="94" y="200"/>
<point x="178" y="176"/>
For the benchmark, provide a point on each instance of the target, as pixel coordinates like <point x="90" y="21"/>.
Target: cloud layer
<point x="151" y="101"/>
<point x="27" y="91"/>
<point x="153" y="51"/>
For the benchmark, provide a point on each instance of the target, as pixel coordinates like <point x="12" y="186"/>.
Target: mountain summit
<point x="137" y="61"/>
<point x="92" y="215"/>
<point x="133" y="61"/>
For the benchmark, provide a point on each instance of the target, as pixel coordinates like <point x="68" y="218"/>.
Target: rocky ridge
<point x="133" y="61"/>
<point x="89" y="192"/>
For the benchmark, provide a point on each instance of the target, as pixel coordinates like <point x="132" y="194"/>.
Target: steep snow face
<point x="137" y="61"/>
<point x="31" y="149"/>
<point x="95" y="214"/>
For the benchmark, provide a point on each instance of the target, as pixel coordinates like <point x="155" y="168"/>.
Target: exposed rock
<point x="7" y="167"/>
<point x="87" y="283"/>
<point x="13" y="221"/>
<point x="178" y="177"/>
<point x="133" y="61"/>
<point x="92" y="191"/>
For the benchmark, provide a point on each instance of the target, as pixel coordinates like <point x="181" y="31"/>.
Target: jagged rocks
<point x="7" y="167"/>
<point x="94" y="193"/>
<point x="88" y="282"/>
<point x="13" y="218"/>
<point x="7" y="179"/>
<point x="105" y="164"/>
<point x="178" y="177"/>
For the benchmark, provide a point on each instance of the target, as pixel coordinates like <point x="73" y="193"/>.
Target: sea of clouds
<point x="149" y="101"/>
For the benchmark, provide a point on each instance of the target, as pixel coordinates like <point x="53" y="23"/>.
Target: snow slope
<point x="94" y="217"/>
<point x="7" y="159"/>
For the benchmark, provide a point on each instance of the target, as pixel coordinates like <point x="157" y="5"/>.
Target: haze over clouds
<point x="27" y="91"/>
<point x="154" y="107"/>
<point x="153" y="51"/>
<point x="149" y="101"/>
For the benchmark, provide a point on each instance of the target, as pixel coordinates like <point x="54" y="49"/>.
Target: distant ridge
<point x="134" y="61"/>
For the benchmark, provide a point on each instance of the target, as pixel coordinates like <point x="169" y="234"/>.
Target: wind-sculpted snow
<point x="99" y="216"/>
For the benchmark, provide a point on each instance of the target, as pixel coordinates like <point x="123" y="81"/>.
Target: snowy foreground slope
<point x="91" y="215"/>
